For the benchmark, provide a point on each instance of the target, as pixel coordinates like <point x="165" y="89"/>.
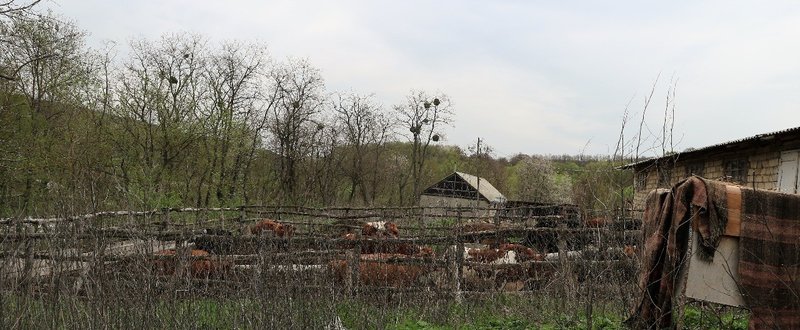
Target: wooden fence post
<point x="562" y="244"/>
<point x="182" y="255"/>
<point x="97" y="260"/>
<point x="563" y="269"/>
<point x="420" y="218"/>
<point x="28" y="268"/>
<point x="242" y="220"/>
<point x="165" y="218"/>
<point x="352" y="277"/>
<point x="457" y="261"/>
<point x="496" y="215"/>
<point x="260" y="273"/>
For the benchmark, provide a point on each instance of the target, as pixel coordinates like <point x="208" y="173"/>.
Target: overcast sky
<point x="543" y="77"/>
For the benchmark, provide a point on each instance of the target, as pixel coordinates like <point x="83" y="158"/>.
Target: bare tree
<point x="159" y="91"/>
<point x="13" y="13"/>
<point x="234" y="116"/>
<point x="50" y="57"/>
<point x="294" y="121"/>
<point x="13" y="8"/>
<point x="423" y="115"/>
<point x="365" y="128"/>
<point x="323" y="174"/>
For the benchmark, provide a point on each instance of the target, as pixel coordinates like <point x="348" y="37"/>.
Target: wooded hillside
<point x="181" y="121"/>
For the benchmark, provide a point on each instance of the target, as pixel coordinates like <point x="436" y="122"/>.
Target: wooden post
<point x="260" y="272"/>
<point x="563" y="264"/>
<point x="420" y="213"/>
<point x="562" y="244"/>
<point x="97" y="259"/>
<point x="182" y="255"/>
<point x="28" y="268"/>
<point x="352" y="278"/>
<point x="165" y="219"/>
<point x="452" y="269"/>
<point x="457" y="261"/>
<point x="496" y="215"/>
<point x="242" y="220"/>
<point x="348" y="272"/>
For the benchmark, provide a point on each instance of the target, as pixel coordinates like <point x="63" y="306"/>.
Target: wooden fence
<point x="120" y="245"/>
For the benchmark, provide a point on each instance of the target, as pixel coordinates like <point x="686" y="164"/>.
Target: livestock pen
<point x="189" y="267"/>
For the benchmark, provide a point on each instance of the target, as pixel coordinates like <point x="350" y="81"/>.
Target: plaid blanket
<point x="769" y="258"/>
<point x="769" y="249"/>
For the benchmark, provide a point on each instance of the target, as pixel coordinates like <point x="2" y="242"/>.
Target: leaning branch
<point x="13" y="76"/>
<point x="9" y="9"/>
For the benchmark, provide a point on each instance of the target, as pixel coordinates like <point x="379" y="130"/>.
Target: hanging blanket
<point x="769" y="258"/>
<point x="667" y="218"/>
<point x="769" y="249"/>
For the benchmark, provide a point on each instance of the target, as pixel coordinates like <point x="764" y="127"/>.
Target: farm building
<point x="460" y="190"/>
<point x="765" y="161"/>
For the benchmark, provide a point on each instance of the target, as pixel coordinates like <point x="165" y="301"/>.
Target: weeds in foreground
<point x="513" y="312"/>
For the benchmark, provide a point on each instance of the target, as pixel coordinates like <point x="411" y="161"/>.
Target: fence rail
<point x="342" y="213"/>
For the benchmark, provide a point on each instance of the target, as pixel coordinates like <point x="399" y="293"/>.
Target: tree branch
<point x="13" y="76"/>
<point x="9" y="9"/>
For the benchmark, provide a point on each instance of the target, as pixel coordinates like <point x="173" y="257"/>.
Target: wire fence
<point x="177" y="266"/>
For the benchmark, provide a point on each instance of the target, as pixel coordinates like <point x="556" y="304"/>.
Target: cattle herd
<point x="385" y="260"/>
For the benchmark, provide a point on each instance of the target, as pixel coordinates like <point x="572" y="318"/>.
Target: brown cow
<point x="380" y="229"/>
<point x="201" y="265"/>
<point x="404" y="248"/>
<point x="410" y="249"/>
<point x="278" y="229"/>
<point x="598" y="222"/>
<point x="523" y="252"/>
<point x="511" y="277"/>
<point x="501" y="254"/>
<point x="376" y="243"/>
<point x="391" y="229"/>
<point x="375" y="271"/>
<point x="485" y="255"/>
<point x="631" y="251"/>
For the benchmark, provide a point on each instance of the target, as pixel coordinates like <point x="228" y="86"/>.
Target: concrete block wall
<point x="762" y="171"/>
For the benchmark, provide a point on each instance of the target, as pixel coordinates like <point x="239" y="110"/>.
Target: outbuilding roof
<point x="720" y="146"/>
<point x="450" y="187"/>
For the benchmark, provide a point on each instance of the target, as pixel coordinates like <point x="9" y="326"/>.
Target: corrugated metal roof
<point x="485" y="188"/>
<point x="714" y="146"/>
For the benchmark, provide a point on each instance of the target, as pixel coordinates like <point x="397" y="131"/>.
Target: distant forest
<point x="181" y="121"/>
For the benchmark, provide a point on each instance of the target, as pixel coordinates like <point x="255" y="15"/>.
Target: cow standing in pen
<point x="378" y="255"/>
<point x="201" y="265"/>
<point x="276" y="228"/>
<point x="512" y="275"/>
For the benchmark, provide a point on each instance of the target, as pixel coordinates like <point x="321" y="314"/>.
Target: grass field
<point x="500" y="311"/>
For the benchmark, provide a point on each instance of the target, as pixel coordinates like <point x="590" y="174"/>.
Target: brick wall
<point x="762" y="170"/>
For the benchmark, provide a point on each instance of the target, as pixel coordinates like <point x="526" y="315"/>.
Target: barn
<point x="766" y="161"/>
<point x="462" y="190"/>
